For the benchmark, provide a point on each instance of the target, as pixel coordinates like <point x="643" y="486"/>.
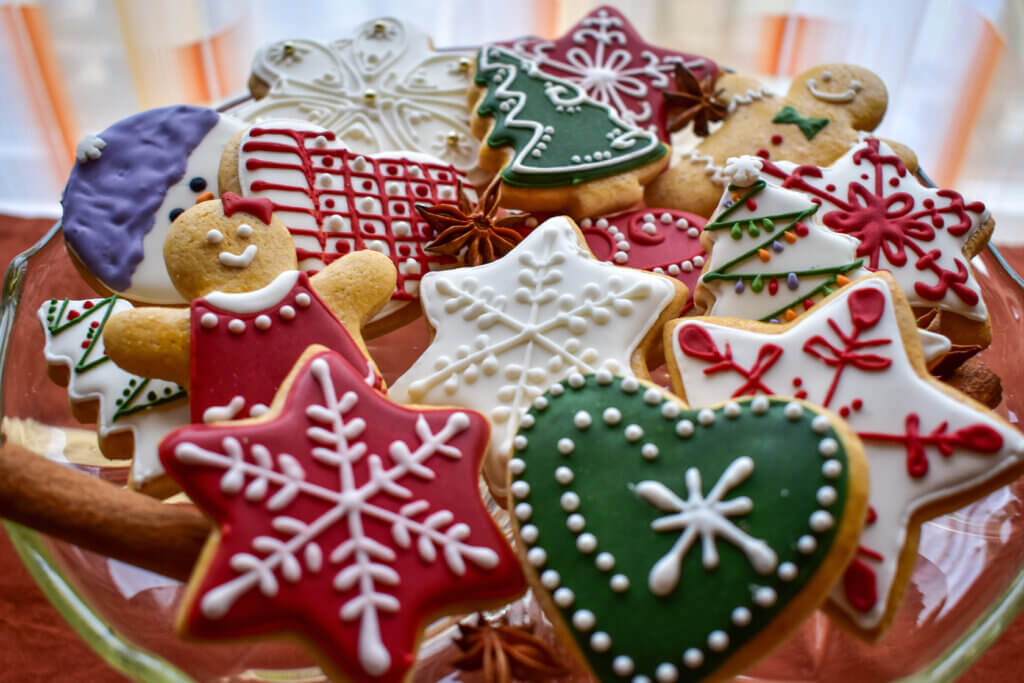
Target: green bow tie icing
<point x="679" y="544"/>
<point x="809" y="127"/>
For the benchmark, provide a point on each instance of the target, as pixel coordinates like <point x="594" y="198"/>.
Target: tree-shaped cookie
<point x="343" y="517"/>
<point x="383" y="89"/>
<point x="930" y="448"/>
<point x="769" y="256"/>
<point x="504" y="331"/>
<point x="556" y="149"/>
<point x="814" y="123"/>
<point x="924" y="236"/>
<point x="132" y="413"/>
<point x="605" y="56"/>
<point x="252" y="312"/>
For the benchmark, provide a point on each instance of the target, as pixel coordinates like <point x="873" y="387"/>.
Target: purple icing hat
<point x="110" y="202"/>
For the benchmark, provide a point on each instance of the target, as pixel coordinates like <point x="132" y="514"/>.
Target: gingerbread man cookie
<point x="252" y="312"/>
<point x="814" y="123"/>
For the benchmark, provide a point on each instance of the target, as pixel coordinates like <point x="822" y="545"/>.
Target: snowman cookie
<point x="823" y="113"/>
<point x="252" y="312"/>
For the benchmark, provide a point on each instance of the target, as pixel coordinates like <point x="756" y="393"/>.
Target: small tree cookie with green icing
<point x="252" y="313"/>
<point x="821" y="116"/>
<point x="557" y="150"/>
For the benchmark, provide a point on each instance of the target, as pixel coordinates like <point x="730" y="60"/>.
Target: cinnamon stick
<point x="99" y="516"/>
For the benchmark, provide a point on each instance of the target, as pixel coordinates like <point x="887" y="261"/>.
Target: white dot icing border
<point x="583" y="620"/>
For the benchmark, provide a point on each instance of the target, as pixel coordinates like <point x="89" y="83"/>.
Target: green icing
<point x="772" y="228"/>
<point x="808" y="126"/>
<point x="560" y="136"/>
<point x="606" y="467"/>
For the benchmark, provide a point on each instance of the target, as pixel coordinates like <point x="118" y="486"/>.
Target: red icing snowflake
<point x="335" y="201"/>
<point x="916" y="233"/>
<point x="345" y="517"/>
<point x="612" y="63"/>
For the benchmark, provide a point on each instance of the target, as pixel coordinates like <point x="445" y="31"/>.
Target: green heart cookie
<point x="680" y="544"/>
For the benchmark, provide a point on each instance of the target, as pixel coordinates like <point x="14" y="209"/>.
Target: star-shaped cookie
<point x="930" y="448"/>
<point x="614" y="65"/>
<point x="383" y="89"/>
<point x="342" y="516"/>
<point x="505" y="331"/>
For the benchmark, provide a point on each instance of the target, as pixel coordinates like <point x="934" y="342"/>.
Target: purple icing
<point x="110" y="203"/>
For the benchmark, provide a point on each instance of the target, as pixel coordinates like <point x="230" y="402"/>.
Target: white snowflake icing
<point x="706" y="517"/>
<point x="507" y="330"/>
<point x="743" y="171"/>
<point x="384" y="89"/>
<point x="362" y="562"/>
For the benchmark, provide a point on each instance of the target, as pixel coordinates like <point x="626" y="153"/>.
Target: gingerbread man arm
<point x="151" y="342"/>
<point x="355" y="287"/>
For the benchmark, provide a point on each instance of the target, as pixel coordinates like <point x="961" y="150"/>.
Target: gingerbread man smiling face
<point x="817" y="121"/>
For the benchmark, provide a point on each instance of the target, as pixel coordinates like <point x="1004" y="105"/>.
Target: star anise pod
<point x="472" y="234"/>
<point x="693" y="100"/>
<point x="504" y="653"/>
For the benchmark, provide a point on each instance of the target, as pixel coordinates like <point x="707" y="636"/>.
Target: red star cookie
<point x="341" y="516"/>
<point x="607" y="58"/>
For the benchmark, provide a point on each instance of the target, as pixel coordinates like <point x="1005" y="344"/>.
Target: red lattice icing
<point x="335" y="201"/>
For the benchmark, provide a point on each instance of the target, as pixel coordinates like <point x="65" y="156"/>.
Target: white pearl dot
<point x="520" y="442"/>
<point x="600" y="642"/>
<point x="586" y="543"/>
<point x="523" y="511"/>
<point x="605" y="561"/>
<point x="557" y="390"/>
<point x="759" y="406"/>
<point x="530" y="533"/>
<point x="566" y="446"/>
<point x="583" y="619"/>
<point x="622" y="665"/>
<point x="526" y="421"/>
<point x="564" y="597"/>
<point x="634" y="433"/>
<point x="706" y="417"/>
<point x="820" y="424"/>
<point x="564" y="475"/>
<point x="611" y="416"/>
<point x="793" y="411"/>
<point x="684" y="428"/>
<point x="209" y="320"/>
<point x="787" y="571"/>
<point x="236" y="326"/>
<point x="666" y="673"/>
<point x="693" y="658"/>
<point x="629" y="385"/>
<point x="649" y="451"/>
<point x="550" y="579"/>
<point x="741" y="616"/>
<point x="828" y="446"/>
<point x="826" y="496"/>
<point x="732" y="409"/>
<point x="619" y="583"/>
<point x="652" y="397"/>
<point x="821" y="521"/>
<point x="517" y="466"/>
<point x="670" y="410"/>
<point x="521" y="489"/>
<point x="765" y="596"/>
<point x="576" y="522"/>
<point x="262" y="322"/>
<point x="537" y="557"/>
<point x="540" y="403"/>
<point x="718" y="640"/>
<point x="603" y="377"/>
<point x="581" y="420"/>
<point x="831" y="469"/>
<point x="806" y="544"/>
<point x="287" y="312"/>
<point x="576" y="380"/>
<point x="302" y="299"/>
<point x="570" y="501"/>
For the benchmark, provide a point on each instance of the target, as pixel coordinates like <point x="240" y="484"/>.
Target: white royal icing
<point x="256" y="300"/>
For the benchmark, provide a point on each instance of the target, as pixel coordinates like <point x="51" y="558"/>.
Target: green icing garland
<point x="560" y="136"/>
<point x="585" y="518"/>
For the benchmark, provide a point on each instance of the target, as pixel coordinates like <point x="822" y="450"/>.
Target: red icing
<point x="73" y="314"/>
<point x="859" y="585"/>
<point x="348" y="195"/>
<point x="888" y="226"/>
<point x="978" y="438"/>
<point x="258" y="207"/>
<point x="866" y="308"/>
<point x="254" y="501"/>
<point x="696" y="342"/>
<point x="253" y="364"/>
<point x="87" y="305"/>
<point x="776" y="139"/>
<point x="605" y="38"/>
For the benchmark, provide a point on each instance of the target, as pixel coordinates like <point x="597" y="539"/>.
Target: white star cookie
<point x="930" y="448"/>
<point x="507" y="330"/>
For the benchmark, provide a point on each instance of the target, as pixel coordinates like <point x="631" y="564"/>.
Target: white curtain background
<point x="953" y="67"/>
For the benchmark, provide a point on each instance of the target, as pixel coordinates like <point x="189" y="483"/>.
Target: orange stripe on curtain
<point x="27" y="32"/>
<point x="773" y="31"/>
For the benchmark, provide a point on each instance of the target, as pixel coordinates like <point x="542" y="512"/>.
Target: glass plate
<point x="966" y="588"/>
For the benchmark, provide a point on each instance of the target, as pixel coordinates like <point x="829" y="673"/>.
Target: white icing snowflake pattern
<point x="508" y="330"/>
<point x="363" y="562"/>
<point x="386" y="89"/>
<point x="706" y="517"/>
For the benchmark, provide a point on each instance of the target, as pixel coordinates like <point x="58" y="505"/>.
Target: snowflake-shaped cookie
<point x="612" y="63"/>
<point x="928" y="446"/>
<point x="506" y="330"/>
<point x="384" y="89"/>
<point x="916" y="233"/>
<point x="341" y="515"/>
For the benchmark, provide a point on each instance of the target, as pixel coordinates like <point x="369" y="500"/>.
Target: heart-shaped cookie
<point x="678" y="544"/>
